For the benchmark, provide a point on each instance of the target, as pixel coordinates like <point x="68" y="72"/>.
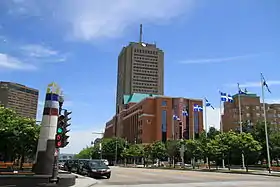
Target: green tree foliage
<point x="19" y="136"/>
<point x="247" y="145"/>
<point x="158" y="150"/>
<point x="85" y="153"/>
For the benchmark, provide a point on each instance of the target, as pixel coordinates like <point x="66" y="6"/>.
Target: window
<point x="164" y="125"/>
<point x="163" y="103"/>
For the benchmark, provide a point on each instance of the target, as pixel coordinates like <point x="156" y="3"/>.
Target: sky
<point x="208" y="45"/>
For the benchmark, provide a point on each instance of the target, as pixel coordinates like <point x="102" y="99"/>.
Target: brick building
<point x="22" y="99"/>
<point x="146" y="118"/>
<point x="251" y="111"/>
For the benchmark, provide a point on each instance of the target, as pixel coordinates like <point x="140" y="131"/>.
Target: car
<point x="96" y="169"/>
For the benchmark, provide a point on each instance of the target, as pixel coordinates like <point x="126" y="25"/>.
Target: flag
<point x="176" y="118"/>
<point x="197" y="108"/>
<point x="240" y="91"/>
<point x="226" y="97"/>
<point x="208" y="104"/>
<point x="264" y="83"/>
<point x="185" y="113"/>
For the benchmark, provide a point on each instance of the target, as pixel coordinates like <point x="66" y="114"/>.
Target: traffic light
<point x="61" y="137"/>
<point x="59" y="131"/>
<point x="65" y="130"/>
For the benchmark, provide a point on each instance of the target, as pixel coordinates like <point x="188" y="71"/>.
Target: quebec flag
<point x="226" y="97"/>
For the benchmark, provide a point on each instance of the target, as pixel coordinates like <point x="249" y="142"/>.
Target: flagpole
<point x="206" y="127"/>
<point x="173" y="128"/>
<point x="221" y="129"/>
<point x="240" y="122"/>
<point x="205" y="118"/>
<point x="265" y="126"/>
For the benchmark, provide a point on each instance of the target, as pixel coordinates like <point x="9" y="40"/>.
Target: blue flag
<point x="226" y="97"/>
<point x="197" y="108"/>
<point x="208" y="104"/>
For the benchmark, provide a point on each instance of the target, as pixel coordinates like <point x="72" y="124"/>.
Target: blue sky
<point x="208" y="45"/>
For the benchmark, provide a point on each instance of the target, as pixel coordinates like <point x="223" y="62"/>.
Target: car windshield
<point x="97" y="164"/>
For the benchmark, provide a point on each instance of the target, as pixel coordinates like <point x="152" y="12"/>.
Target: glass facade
<point x="164" y="125"/>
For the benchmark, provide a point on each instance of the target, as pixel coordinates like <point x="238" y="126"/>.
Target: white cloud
<point x="94" y="19"/>
<point x="255" y="84"/>
<point x="272" y="101"/>
<point x="213" y="117"/>
<point x="10" y="62"/>
<point x="80" y="139"/>
<point x="217" y="60"/>
<point x="38" y="51"/>
<point x="42" y="52"/>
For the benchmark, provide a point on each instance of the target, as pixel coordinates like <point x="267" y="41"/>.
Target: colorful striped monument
<point x="46" y="144"/>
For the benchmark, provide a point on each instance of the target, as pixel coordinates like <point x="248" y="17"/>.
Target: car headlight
<point x="108" y="170"/>
<point x="93" y="170"/>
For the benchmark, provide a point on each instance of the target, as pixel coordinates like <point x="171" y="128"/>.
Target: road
<point x="137" y="177"/>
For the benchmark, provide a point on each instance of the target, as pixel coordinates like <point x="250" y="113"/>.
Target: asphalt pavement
<point x="140" y="177"/>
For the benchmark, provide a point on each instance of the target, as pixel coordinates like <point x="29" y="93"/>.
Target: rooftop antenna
<point x="141" y="34"/>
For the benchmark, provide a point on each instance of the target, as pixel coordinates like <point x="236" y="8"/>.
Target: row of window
<point x="144" y="84"/>
<point x="155" y="72"/>
<point x="140" y="77"/>
<point x="140" y="90"/>
<point x="145" y="51"/>
<point x="145" y="59"/>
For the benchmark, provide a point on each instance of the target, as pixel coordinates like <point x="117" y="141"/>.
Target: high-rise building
<point x="149" y="118"/>
<point x="140" y="70"/>
<point x="23" y="100"/>
<point x="251" y="112"/>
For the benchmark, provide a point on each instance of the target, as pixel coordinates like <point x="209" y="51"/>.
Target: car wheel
<point x="108" y="176"/>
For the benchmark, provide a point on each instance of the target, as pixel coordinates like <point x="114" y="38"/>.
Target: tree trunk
<point x="229" y="162"/>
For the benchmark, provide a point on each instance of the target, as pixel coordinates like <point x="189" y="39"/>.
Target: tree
<point x="158" y="150"/>
<point x="134" y="151"/>
<point x="19" y="136"/>
<point x="228" y="143"/>
<point x="172" y="150"/>
<point x="86" y="153"/>
<point x="112" y="148"/>
<point x="192" y="150"/>
<point x="212" y="133"/>
<point x="259" y="135"/>
<point x="275" y="143"/>
<point x="247" y="145"/>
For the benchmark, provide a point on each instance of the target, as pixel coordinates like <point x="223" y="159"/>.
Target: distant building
<point x="64" y="156"/>
<point x="251" y="111"/>
<point x="140" y="70"/>
<point x="146" y="118"/>
<point x="23" y="100"/>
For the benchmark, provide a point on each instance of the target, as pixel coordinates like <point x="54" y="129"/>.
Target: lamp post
<point x="100" y="144"/>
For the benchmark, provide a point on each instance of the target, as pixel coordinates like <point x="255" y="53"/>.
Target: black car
<point x="96" y="169"/>
<point x="71" y="165"/>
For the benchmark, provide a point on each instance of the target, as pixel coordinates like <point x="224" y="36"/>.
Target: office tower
<point x="140" y="70"/>
<point x="21" y="99"/>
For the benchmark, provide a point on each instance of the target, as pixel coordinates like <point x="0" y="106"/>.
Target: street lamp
<point x="100" y="144"/>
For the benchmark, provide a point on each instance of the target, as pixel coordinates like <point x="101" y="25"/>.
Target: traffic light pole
<point x="54" y="178"/>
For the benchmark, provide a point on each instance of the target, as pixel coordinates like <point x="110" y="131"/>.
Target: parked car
<point x="95" y="169"/>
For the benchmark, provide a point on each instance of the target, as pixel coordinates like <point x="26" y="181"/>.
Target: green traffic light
<point x="59" y="130"/>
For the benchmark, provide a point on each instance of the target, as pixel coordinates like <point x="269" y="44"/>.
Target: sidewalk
<point x="82" y="181"/>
